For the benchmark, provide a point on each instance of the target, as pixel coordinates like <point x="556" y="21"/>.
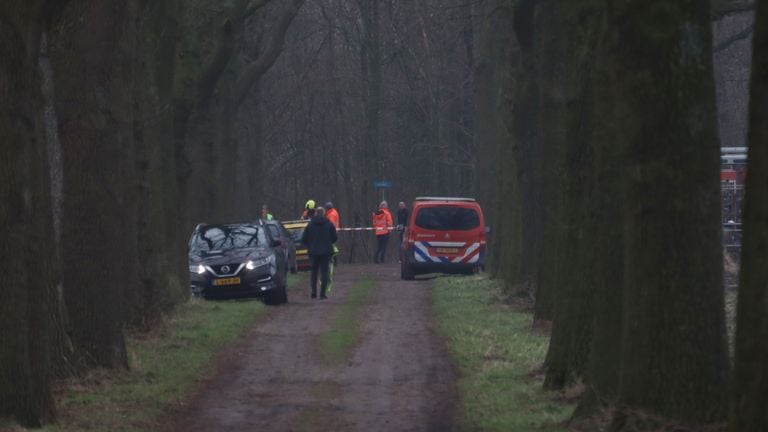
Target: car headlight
<point x="199" y="269"/>
<point x="250" y="265"/>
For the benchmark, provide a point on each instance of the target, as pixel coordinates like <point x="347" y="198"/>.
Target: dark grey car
<point x="236" y="261"/>
<point x="277" y="230"/>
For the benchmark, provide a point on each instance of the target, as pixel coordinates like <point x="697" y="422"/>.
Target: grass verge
<point x="497" y="356"/>
<point x="165" y="364"/>
<point x="337" y="343"/>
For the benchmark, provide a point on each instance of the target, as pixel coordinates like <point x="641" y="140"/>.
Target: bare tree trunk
<point x="526" y="134"/>
<point x="95" y="107"/>
<point x="606" y="208"/>
<point x="751" y="377"/>
<point x="161" y="242"/>
<point x="372" y="80"/>
<point x="552" y="162"/>
<point x="28" y="287"/>
<point x="494" y="80"/>
<point x="674" y="357"/>
<point x="61" y="345"/>
<point x="212" y="150"/>
<point x="571" y="332"/>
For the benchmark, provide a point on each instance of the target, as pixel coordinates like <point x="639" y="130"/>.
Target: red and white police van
<point x="444" y="235"/>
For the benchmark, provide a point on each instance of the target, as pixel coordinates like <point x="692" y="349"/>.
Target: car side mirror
<point x="487" y="229"/>
<point x="276" y="243"/>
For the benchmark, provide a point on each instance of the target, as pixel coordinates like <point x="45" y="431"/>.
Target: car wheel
<point x="406" y="271"/>
<point x="274" y="297"/>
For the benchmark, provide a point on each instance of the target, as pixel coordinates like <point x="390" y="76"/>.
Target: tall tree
<point x="552" y="161"/>
<point x="526" y="133"/>
<point x="208" y="110"/>
<point x="25" y="221"/>
<point x="606" y="206"/>
<point x="575" y="260"/>
<point x="674" y="357"/>
<point x="160" y="239"/>
<point x="95" y="106"/>
<point x="492" y="76"/>
<point x="370" y="58"/>
<point x="751" y="366"/>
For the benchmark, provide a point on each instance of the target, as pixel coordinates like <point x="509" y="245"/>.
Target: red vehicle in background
<point x="444" y="235"/>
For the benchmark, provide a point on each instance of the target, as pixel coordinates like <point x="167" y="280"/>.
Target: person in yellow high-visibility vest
<point x="309" y="210"/>
<point x="265" y="214"/>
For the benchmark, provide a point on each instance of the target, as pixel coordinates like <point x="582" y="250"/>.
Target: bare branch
<point x="252" y="72"/>
<point x="725" y="44"/>
<point x="219" y="62"/>
<point x="723" y="8"/>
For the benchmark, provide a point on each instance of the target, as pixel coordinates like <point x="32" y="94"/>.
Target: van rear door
<point x="448" y="233"/>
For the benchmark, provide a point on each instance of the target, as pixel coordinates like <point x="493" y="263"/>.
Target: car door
<point x="274" y="232"/>
<point x="280" y="250"/>
<point x="290" y="245"/>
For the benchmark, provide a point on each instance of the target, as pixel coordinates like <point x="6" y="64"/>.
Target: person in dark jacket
<point x="319" y="236"/>
<point x="402" y="218"/>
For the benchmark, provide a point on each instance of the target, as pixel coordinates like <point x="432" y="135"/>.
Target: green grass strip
<point x="346" y="324"/>
<point x="164" y="367"/>
<point x="496" y="354"/>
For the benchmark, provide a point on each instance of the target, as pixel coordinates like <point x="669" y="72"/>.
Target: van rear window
<point x="447" y="218"/>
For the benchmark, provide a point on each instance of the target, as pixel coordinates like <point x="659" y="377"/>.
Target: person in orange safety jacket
<point x="332" y="214"/>
<point x="382" y="224"/>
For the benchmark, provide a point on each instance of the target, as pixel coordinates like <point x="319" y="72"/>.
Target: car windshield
<point x="447" y="219"/>
<point x="217" y="238"/>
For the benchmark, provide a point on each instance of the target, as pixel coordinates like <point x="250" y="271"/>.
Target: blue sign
<point x="382" y="184"/>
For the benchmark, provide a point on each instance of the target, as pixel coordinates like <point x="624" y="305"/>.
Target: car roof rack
<point x="445" y="199"/>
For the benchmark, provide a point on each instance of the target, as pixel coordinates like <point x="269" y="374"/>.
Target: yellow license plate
<point x="227" y="281"/>
<point x="448" y="250"/>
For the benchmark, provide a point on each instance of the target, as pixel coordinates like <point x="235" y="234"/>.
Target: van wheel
<point x="406" y="271"/>
<point x="473" y="271"/>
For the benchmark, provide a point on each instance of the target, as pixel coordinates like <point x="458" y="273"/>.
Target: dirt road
<point x="398" y="377"/>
